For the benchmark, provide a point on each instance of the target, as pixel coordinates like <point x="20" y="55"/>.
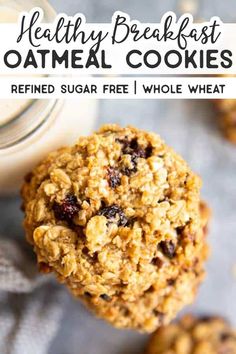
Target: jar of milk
<point x="29" y="129"/>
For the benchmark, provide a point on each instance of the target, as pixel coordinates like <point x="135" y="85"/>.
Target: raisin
<point x="171" y="282"/>
<point x="133" y="148"/>
<point x="206" y="319"/>
<point x="140" y="152"/>
<point x="150" y="289"/>
<point x="91" y="258"/>
<point x="168" y="248"/>
<point x="22" y="207"/>
<point x="67" y="209"/>
<point x="159" y="314"/>
<point x="127" y="171"/>
<point x="225" y="336"/>
<point x="87" y="294"/>
<point x="94" y="257"/>
<point x="44" y="268"/>
<point x="131" y="222"/>
<point x="157" y="262"/>
<point x="126" y="144"/>
<point x="129" y="147"/>
<point x="114" y="178"/>
<point x="105" y="297"/>
<point x="180" y="230"/>
<point x="136" y="151"/>
<point x="112" y="211"/>
<point x="79" y="230"/>
<point x="148" y="151"/>
<point x="125" y="311"/>
<point x="85" y="251"/>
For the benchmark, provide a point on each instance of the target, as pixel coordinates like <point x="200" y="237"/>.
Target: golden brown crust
<point x="191" y="335"/>
<point x="117" y="217"/>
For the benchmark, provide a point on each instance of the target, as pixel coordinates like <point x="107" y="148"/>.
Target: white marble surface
<point x="191" y="128"/>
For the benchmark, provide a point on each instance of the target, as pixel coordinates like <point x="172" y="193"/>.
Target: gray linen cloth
<point x="30" y="305"/>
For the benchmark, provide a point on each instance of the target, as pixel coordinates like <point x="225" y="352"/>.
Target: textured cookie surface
<point x="118" y="218"/>
<point x="206" y="335"/>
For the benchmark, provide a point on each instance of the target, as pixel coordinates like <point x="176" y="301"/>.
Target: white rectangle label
<point x="71" y="45"/>
<point x="119" y="87"/>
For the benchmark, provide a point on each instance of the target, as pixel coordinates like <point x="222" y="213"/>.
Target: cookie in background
<point x="194" y="335"/>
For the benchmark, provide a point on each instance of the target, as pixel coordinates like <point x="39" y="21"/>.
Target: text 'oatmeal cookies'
<point x="192" y="335"/>
<point x="118" y="218"/>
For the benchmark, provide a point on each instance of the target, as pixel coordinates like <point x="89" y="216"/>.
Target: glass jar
<point x="9" y="12"/>
<point x="29" y="129"/>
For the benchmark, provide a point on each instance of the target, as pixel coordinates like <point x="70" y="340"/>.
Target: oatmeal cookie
<point x="191" y="335"/>
<point x="227" y="118"/>
<point x="118" y="218"/>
